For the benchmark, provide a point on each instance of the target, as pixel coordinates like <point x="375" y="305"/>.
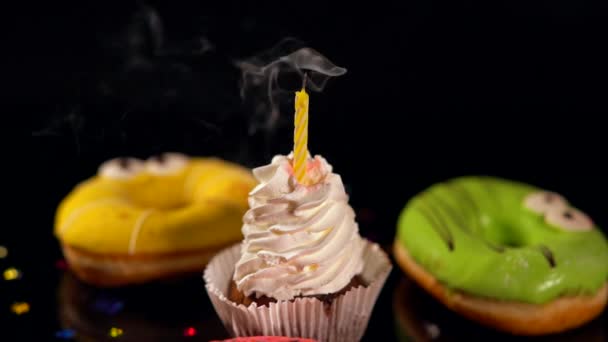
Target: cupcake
<point x="302" y="269"/>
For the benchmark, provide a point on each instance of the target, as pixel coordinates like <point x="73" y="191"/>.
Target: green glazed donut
<point x="503" y="241"/>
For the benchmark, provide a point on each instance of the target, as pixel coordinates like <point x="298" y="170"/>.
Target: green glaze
<point x="474" y="234"/>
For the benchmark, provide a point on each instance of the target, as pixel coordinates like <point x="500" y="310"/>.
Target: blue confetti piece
<point x="65" y="334"/>
<point x="109" y="306"/>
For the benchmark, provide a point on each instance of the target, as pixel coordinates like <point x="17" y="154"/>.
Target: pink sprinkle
<point x="313" y="164"/>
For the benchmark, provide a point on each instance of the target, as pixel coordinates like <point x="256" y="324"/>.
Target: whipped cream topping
<point x="300" y="240"/>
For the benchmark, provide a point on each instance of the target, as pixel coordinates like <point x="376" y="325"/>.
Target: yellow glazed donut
<point x="139" y="220"/>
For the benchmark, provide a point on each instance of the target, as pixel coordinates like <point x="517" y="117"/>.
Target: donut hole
<point x="504" y="234"/>
<point x="158" y="192"/>
<point x="512" y="242"/>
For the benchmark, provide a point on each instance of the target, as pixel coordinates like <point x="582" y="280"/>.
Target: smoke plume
<point x="138" y="73"/>
<point x="269" y="79"/>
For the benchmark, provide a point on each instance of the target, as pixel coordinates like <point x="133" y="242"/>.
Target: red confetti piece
<point x="190" y="331"/>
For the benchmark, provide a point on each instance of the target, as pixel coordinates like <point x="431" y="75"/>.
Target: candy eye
<point x="569" y="219"/>
<point x="543" y="201"/>
<point x="121" y="168"/>
<point x="166" y="163"/>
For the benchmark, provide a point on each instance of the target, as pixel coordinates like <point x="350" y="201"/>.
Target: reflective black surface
<point x="155" y="312"/>
<point x="418" y="317"/>
<point x="179" y="310"/>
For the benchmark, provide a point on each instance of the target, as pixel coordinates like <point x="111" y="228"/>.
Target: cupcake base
<point x="344" y="318"/>
<point x="238" y="297"/>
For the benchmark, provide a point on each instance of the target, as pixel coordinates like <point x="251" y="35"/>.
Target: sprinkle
<point x="11" y="274"/>
<point x="65" y="334"/>
<point x="190" y="331"/>
<point x="3" y="252"/>
<point x="108" y="306"/>
<point x="115" y="332"/>
<point x="61" y="264"/>
<point x="20" y="308"/>
<point x="311" y="267"/>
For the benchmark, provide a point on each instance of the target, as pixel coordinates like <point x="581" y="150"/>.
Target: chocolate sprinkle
<point x="440" y="228"/>
<point x="124" y="162"/>
<point x="568" y="215"/>
<point x="161" y="158"/>
<point x="548" y="255"/>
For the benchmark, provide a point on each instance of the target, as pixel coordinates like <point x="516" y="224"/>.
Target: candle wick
<point x="304" y="81"/>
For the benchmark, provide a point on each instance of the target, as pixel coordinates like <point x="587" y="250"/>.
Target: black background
<point x="433" y="91"/>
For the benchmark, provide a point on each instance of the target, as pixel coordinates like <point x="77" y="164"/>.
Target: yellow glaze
<point x="201" y="205"/>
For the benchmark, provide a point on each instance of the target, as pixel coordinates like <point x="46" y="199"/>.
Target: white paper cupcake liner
<point x="345" y="319"/>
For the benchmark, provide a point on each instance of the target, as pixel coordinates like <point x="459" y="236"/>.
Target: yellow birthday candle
<point x="300" y="136"/>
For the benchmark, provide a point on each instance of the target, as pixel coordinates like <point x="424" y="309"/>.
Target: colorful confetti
<point x="109" y="306"/>
<point x="12" y="273"/>
<point x="61" y="265"/>
<point x="3" y="252"/>
<point x="20" y="308"/>
<point x="65" y="334"/>
<point x="115" y="332"/>
<point x="190" y="331"/>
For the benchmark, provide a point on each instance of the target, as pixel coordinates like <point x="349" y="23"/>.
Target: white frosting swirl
<point x="299" y="240"/>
